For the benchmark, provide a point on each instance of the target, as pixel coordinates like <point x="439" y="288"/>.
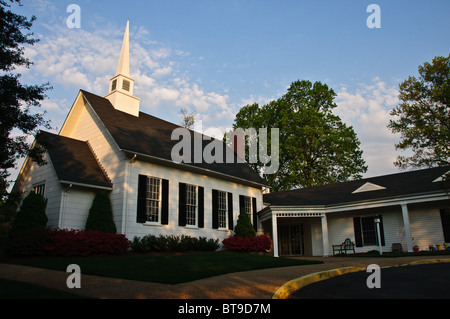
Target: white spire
<point x="124" y="61"/>
<point x="121" y="85"/>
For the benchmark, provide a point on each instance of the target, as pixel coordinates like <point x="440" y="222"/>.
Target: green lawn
<point x="170" y="268"/>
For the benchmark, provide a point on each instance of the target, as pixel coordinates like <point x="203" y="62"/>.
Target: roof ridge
<point x="99" y="163"/>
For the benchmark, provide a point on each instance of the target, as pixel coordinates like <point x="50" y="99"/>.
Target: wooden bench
<point x="347" y="245"/>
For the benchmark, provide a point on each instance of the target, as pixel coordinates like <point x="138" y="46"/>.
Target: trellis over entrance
<point x="267" y="215"/>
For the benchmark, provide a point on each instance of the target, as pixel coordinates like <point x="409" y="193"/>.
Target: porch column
<point x="275" y="234"/>
<point x="405" y="214"/>
<point x="325" y="242"/>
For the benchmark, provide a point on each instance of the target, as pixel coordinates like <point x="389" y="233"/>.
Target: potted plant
<point x="438" y="247"/>
<point x="416" y="248"/>
<point x="431" y="248"/>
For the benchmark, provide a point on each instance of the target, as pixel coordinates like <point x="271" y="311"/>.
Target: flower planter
<point x="416" y="249"/>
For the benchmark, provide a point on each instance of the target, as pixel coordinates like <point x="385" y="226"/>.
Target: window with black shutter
<point x="153" y="200"/>
<point x="220" y="209"/>
<point x="366" y="233"/>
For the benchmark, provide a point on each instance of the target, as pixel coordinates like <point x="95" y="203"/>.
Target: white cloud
<point x="367" y="110"/>
<point x="80" y="59"/>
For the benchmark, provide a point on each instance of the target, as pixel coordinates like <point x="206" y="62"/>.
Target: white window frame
<point x="39" y="189"/>
<point x="149" y="198"/>
<point x="191" y="205"/>
<point x="248" y="205"/>
<point x="222" y="208"/>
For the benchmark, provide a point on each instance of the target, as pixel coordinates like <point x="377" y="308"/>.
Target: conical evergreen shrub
<point x="31" y="213"/>
<point x="28" y="234"/>
<point x="244" y="227"/>
<point x="100" y="214"/>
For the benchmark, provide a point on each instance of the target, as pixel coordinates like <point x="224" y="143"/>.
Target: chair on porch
<point x="347" y="245"/>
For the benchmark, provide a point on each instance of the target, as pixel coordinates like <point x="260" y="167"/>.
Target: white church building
<point x="106" y="143"/>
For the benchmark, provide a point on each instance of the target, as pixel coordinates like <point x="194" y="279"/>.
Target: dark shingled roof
<point x="151" y="136"/>
<point x="400" y="184"/>
<point x="74" y="161"/>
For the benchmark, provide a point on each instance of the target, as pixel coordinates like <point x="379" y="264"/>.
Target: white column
<point x="275" y="234"/>
<point x="406" y="223"/>
<point x="325" y="242"/>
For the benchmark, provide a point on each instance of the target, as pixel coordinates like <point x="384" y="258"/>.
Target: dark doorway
<point x="291" y="240"/>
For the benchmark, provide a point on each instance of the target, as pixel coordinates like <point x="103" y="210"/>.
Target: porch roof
<point x="373" y="188"/>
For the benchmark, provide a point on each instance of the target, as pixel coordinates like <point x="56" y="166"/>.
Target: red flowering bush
<point x="258" y="243"/>
<point x="64" y="242"/>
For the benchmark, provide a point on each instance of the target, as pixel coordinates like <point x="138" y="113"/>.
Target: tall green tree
<point x="16" y="99"/>
<point x="423" y="117"/>
<point x="315" y="146"/>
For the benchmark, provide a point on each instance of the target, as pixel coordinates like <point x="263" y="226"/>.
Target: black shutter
<point x="241" y="203"/>
<point x="215" y="209"/>
<point x="357" y="228"/>
<point x="141" y="216"/>
<point x="445" y="219"/>
<point x="230" y="211"/>
<point x="165" y="202"/>
<point x="201" y="206"/>
<point x="182" y="205"/>
<point x="255" y="216"/>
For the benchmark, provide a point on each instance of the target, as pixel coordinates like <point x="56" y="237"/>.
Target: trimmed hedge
<point x="63" y="242"/>
<point x="171" y="243"/>
<point x="260" y="243"/>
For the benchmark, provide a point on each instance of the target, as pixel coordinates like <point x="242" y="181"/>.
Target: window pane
<point x="248" y="205"/>
<point x="191" y="204"/>
<point x="369" y="231"/>
<point x="153" y="192"/>
<point x="222" y="205"/>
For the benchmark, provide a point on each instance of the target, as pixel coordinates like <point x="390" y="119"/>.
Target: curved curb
<point x="293" y="285"/>
<point x="296" y="284"/>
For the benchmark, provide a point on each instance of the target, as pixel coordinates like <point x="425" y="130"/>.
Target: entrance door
<point x="291" y="240"/>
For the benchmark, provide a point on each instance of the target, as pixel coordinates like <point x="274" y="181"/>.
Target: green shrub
<point x="244" y="227"/>
<point x="31" y="213"/>
<point x="171" y="243"/>
<point x="100" y="214"/>
<point x="27" y="234"/>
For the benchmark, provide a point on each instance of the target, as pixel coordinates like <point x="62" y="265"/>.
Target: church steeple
<point x="121" y="85"/>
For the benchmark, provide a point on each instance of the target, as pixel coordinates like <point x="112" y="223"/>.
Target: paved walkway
<point x="259" y="284"/>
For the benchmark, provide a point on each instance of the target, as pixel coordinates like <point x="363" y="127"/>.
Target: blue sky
<point x="215" y="56"/>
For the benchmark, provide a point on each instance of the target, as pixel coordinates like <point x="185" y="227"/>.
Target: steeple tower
<point x="121" y="85"/>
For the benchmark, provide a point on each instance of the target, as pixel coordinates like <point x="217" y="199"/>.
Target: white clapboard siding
<point x="45" y="174"/>
<point x="86" y="126"/>
<point x="175" y="177"/>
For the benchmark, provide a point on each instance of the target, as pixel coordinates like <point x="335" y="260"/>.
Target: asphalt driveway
<point x="428" y="281"/>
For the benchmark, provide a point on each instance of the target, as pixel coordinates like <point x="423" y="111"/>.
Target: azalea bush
<point x="64" y="242"/>
<point x="260" y="243"/>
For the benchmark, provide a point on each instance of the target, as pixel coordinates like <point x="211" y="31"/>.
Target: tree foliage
<point x="17" y="99"/>
<point x="315" y="146"/>
<point x="100" y="214"/>
<point x="423" y="117"/>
